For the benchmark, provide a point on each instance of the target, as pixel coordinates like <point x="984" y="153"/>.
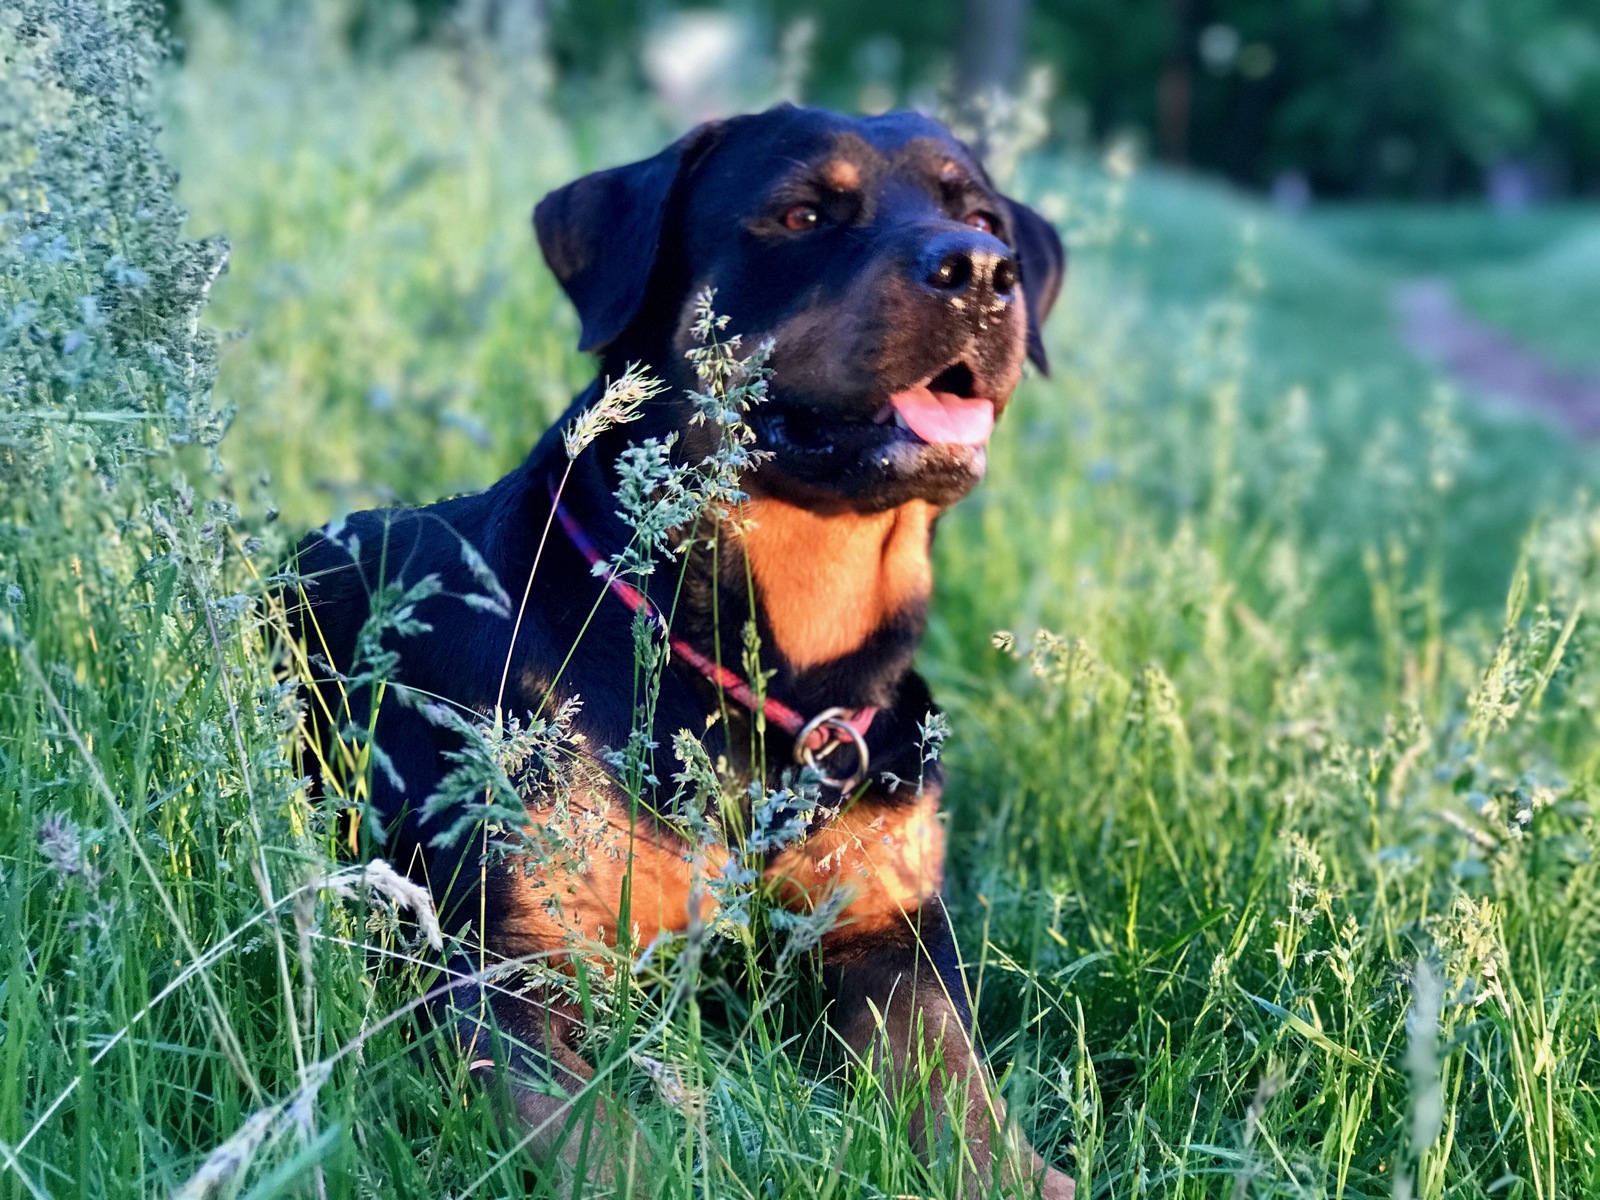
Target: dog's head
<point x="900" y="290"/>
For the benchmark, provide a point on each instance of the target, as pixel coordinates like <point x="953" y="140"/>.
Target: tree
<point x="992" y="37"/>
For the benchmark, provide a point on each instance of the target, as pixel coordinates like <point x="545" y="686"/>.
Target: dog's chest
<point x="879" y="860"/>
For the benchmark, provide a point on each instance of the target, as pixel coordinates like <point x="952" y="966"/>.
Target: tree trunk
<point x="989" y="53"/>
<point x="1175" y="89"/>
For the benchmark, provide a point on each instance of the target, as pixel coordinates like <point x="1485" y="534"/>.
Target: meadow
<point x="1271" y="682"/>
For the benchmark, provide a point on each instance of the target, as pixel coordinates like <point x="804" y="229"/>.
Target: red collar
<point x="814" y="739"/>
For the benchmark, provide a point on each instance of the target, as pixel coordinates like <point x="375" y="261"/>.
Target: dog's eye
<point x="800" y="217"/>
<point x="981" y="220"/>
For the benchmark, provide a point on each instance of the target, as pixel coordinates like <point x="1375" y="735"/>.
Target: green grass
<point x="1424" y="239"/>
<point x="1284" y="741"/>
<point x="1533" y="274"/>
<point x="1544" y="300"/>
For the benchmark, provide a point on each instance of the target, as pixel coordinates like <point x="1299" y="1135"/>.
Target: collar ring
<point x="837" y="730"/>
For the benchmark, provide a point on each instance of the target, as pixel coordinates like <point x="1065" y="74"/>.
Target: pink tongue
<point x="942" y="418"/>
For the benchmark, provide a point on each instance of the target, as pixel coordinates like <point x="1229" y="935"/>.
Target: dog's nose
<point x="967" y="260"/>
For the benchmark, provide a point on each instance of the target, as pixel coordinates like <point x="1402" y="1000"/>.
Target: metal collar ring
<point x="832" y="721"/>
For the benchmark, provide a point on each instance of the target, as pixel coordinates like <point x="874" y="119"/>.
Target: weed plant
<point x="1274" y="844"/>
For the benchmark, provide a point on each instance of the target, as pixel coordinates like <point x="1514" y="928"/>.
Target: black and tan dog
<point x="901" y="294"/>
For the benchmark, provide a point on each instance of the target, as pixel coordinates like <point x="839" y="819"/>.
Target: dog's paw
<point x="1028" y="1177"/>
<point x="1056" y="1185"/>
<point x="1043" y="1181"/>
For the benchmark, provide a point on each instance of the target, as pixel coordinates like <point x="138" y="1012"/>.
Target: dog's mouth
<point x="926" y="440"/>
<point x="944" y="411"/>
<point x="947" y="408"/>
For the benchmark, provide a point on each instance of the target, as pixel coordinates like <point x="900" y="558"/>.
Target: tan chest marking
<point x="889" y="856"/>
<point x="827" y="583"/>
<point x="887" y="859"/>
<point x="574" y="898"/>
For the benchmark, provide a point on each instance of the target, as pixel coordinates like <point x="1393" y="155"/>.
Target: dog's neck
<point x="827" y="583"/>
<point x="842" y="595"/>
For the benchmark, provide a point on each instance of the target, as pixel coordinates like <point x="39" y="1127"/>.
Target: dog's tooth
<point x="900" y="420"/>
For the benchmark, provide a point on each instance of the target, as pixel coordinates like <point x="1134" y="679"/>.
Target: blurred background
<point x="1416" y="99"/>
<point x="1428" y="99"/>
<point x="1367" y="224"/>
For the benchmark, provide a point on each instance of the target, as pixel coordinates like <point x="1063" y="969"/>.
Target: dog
<point x="897" y="295"/>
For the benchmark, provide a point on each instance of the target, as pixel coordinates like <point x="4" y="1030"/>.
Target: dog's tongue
<point x="941" y="418"/>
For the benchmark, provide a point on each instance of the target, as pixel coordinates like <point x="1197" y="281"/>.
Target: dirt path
<point x="1482" y="359"/>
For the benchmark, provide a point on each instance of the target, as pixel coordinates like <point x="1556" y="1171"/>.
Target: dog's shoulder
<point x="424" y="559"/>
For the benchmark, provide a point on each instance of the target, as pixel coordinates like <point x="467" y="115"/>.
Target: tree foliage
<point x="1398" y="97"/>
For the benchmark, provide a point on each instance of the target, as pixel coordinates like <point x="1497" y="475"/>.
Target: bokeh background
<point x="1416" y="99"/>
<point x="1397" y="193"/>
<point x="1420" y="99"/>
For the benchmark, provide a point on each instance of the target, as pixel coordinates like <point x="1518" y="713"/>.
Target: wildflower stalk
<point x="621" y="403"/>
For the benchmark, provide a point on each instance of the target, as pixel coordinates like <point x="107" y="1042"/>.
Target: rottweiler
<point x="897" y="295"/>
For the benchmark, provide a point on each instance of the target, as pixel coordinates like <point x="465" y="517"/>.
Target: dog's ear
<point x="1043" y="263"/>
<point x="600" y="234"/>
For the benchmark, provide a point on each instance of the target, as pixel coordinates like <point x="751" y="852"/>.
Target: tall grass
<point x="1274" y="843"/>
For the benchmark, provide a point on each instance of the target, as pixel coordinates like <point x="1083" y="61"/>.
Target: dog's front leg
<point x="521" y="1049"/>
<point x="900" y="1000"/>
